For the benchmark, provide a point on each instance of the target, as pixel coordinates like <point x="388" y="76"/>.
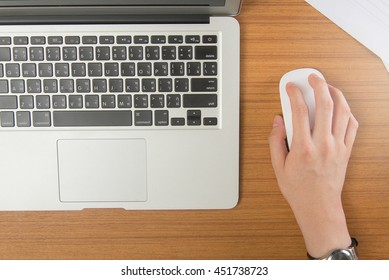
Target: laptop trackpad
<point x="102" y="170"/>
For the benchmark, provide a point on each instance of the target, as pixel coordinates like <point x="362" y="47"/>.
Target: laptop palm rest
<point x="106" y="170"/>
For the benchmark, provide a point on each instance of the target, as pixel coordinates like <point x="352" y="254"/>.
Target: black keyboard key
<point x="192" y="39"/>
<point x="62" y="70"/>
<point x="161" y="117"/>
<point x="173" y="101"/>
<point x="200" y="100"/>
<point x="95" y="69"/>
<point x="23" y="119"/>
<point x="157" y="101"/>
<point x="72" y="40"/>
<point x="86" y="53"/>
<point x="66" y="86"/>
<point x="206" y="52"/>
<point x="45" y="69"/>
<point x="75" y="101"/>
<point x="128" y="69"/>
<point x="209" y="39"/>
<point x="7" y="119"/>
<point x="92" y="118"/>
<point x="176" y="39"/>
<point x="124" y="101"/>
<point x="26" y="102"/>
<point x="193" y="68"/>
<point x="42" y="101"/>
<point x="99" y="85"/>
<point x="59" y="101"/>
<point x="1" y="70"/>
<point x="141" y="101"/>
<point x="29" y="70"/>
<point x="5" y="54"/>
<point x="168" y="53"/>
<point x="20" y="54"/>
<point x="177" y="69"/>
<point x="124" y="40"/>
<point x="132" y="85"/>
<point x="185" y="52"/>
<point x="135" y="53"/>
<point x="34" y="86"/>
<point x="144" y="69"/>
<point x="111" y="69"/>
<point x="210" y="68"/>
<point x="55" y="40"/>
<point x="92" y="101"/>
<point x="5" y="41"/>
<point x="204" y="85"/>
<point x="177" y="121"/>
<point x="210" y="121"/>
<point x="83" y="85"/>
<point x="12" y="70"/>
<point x="115" y="85"/>
<point x="89" y="40"/>
<point x="36" y="54"/>
<point x="17" y="86"/>
<point x="50" y="86"/>
<point x="69" y="53"/>
<point x="161" y="69"/>
<point x="181" y="85"/>
<point x="149" y="85"/>
<point x="38" y="40"/>
<point x="119" y="53"/>
<point x="41" y="118"/>
<point x="53" y="54"/>
<point x="3" y="86"/>
<point x="103" y="53"/>
<point x="21" y="40"/>
<point x="141" y="39"/>
<point x="108" y="101"/>
<point x="165" y="85"/>
<point x="106" y="40"/>
<point x="152" y="53"/>
<point x="8" y="102"/>
<point x="158" y="39"/>
<point x="143" y="118"/>
<point x="78" y="69"/>
<point x="194" y="117"/>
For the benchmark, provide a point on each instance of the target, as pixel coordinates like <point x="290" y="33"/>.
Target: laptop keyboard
<point x="136" y="80"/>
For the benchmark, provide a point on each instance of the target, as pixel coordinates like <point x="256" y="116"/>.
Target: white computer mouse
<point x="300" y="78"/>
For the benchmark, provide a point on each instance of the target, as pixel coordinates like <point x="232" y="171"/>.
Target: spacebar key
<point x="92" y="118"/>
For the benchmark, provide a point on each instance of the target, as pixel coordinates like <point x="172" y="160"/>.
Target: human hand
<point x="311" y="175"/>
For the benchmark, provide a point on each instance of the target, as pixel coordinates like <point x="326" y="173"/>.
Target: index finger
<point x="300" y="114"/>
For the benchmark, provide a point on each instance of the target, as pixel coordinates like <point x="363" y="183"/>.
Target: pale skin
<point x="311" y="175"/>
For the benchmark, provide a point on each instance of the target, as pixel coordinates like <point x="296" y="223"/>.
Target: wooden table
<point x="276" y="36"/>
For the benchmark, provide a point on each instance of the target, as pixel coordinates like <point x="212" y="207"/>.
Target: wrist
<point x="324" y="231"/>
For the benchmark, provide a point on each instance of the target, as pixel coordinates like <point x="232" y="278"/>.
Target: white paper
<point x="365" y="20"/>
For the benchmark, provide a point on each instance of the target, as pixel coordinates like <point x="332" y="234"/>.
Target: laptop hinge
<point x="106" y="19"/>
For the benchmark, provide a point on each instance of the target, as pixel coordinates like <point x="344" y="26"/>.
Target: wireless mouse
<point x="300" y="78"/>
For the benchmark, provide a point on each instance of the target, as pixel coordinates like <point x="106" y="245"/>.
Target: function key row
<point x="107" y="40"/>
<point x="71" y="53"/>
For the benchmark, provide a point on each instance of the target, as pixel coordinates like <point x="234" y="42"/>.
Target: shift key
<point x="200" y="100"/>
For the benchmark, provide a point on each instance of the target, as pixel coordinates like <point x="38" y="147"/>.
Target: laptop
<point x="129" y="104"/>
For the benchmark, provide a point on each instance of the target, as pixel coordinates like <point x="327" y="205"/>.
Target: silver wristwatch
<point x="349" y="253"/>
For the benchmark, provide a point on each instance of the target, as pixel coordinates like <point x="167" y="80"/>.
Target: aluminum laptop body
<point x="131" y="104"/>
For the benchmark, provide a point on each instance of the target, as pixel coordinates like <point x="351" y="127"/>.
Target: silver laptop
<point x="128" y="104"/>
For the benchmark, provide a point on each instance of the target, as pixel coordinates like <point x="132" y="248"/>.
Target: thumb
<point x="277" y="144"/>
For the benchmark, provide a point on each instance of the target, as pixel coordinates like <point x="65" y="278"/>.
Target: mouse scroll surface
<point x="106" y="170"/>
<point x="300" y="78"/>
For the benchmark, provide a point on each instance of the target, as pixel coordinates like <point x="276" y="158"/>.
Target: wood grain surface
<point x="276" y="36"/>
